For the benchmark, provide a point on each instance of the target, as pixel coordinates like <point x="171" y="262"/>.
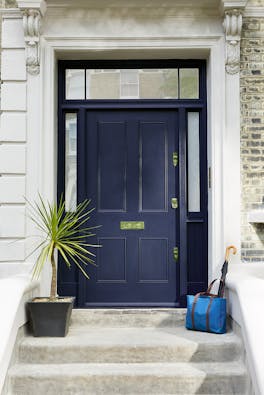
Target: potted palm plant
<point x="65" y="233"/>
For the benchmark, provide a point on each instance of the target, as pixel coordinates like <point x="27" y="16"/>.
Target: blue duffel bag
<point x="206" y="312"/>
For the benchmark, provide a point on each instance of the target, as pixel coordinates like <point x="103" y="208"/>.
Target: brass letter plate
<point x="132" y="225"/>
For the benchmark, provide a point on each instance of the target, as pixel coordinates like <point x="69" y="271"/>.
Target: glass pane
<point x="75" y="84"/>
<point x="102" y="84"/>
<point x="159" y="84"/>
<point x="70" y="161"/>
<point x="193" y="162"/>
<point x="132" y="83"/>
<point x="129" y="76"/>
<point x="189" y="83"/>
<point x="129" y="84"/>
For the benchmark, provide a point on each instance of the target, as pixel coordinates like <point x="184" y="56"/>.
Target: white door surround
<point x="198" y="33"/>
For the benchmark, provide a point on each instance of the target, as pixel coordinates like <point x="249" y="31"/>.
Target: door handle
<point x="175" y="159"/>
<point x="176" y="254"/>
<point x="174" y="203"/>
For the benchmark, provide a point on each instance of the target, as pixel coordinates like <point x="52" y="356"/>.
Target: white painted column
<point x="32" y="12"/>
<point x="231" y="154"/>
<point x="13" y="138"/>
<point x="231" y="158"/>
<point x="216" y="125"/>
<point x="21" y="128"/>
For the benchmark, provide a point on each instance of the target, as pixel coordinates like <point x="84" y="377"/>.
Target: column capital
<point x="232" y="27"/>
<point x="32" y="11"/>
<point x="226" y="5"/>
<point x="39" y="5"/>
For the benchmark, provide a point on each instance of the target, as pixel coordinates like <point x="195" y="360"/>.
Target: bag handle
<point x="211" y="285"/>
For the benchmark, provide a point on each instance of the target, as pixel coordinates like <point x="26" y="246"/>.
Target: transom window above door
<point x="149" y="83"/>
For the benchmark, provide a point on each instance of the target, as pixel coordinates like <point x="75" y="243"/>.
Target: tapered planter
<point x="50" y="318"/>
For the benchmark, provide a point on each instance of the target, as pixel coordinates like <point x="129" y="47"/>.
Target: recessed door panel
<point x="153" y="260"/>
<point x="111" y="260"/>
<point x="112" y="153"/>
<point x="153" y="166"/>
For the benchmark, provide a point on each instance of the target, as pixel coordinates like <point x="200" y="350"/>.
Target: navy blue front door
<point x="129" y="175"/>
<point x="132" y="157"/>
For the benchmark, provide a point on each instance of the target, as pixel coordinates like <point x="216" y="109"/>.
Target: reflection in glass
<point x="132" y="84"/>
<point x="129" y="84"/>
<point x="75" y="84"/>
<point x="189" y="83"/>
<point x="193" y="162"/>
<point x="70" y="161"/>
<point x="102" y="84"/>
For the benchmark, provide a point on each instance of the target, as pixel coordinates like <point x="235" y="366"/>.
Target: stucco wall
<point x="4" y="4"/>
<point x="252" y="134"/>
<point x="252" y="130"/>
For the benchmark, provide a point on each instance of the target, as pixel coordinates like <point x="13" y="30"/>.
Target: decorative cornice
<point x="31" y="24"/>
<point x="226" y="5"/>
<point x="232" y="27"/>
<point x="40" y="5"/>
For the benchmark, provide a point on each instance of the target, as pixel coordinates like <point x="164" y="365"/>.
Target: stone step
<point x="131" y="378"/>
<point x="127" y="318"/>
<point x="123" y="345"/>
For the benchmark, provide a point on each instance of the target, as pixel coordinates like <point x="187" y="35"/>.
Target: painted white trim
<point x="223" y="114"/>
<point x="211" y="48"/>
<point x="136" y="3"/>
<point x="12" y="13"/>
<point x="231" y="159"/>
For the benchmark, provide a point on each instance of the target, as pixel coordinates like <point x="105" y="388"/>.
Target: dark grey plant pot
<point x="50" y="318"/>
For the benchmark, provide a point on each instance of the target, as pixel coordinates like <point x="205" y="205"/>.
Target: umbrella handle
<point x="228" y="251"/>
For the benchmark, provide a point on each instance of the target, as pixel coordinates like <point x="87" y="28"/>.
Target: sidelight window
<point x="70" y="161"/>
<point x="193" y="163"/>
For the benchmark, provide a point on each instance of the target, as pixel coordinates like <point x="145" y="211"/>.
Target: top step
<point x="127" y="318"/>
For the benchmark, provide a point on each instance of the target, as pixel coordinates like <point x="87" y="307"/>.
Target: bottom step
<point x="131" y="378"/>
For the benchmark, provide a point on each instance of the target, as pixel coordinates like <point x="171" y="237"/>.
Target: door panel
<point x="112" y="154"/>
<point x="153" y="260"/>
<point x="153" y="166"/>
<point x="111" y="260"/>
<point x="129" y="177"/>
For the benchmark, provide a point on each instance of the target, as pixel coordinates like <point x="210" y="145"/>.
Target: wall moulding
<point x="131" y="4"/>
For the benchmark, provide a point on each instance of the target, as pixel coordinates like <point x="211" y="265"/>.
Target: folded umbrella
<point x="224" y="270"/>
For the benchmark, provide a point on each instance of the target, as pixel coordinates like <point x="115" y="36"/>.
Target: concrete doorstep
<point x="94" y="358"/>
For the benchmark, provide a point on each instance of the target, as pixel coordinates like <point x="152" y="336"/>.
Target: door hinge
<point x="175" y="159"/>
<point x="174" y="203"/>
<point x="176" y="254"/>
<point x="210" y="177"/>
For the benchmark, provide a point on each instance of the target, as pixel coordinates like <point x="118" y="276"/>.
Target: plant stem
<point x="53" y="288"/>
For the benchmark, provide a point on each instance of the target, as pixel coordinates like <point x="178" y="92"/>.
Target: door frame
<point x="180" y="105"/>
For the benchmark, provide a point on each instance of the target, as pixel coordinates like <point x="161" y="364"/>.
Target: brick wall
<point x="252" y="134"/>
